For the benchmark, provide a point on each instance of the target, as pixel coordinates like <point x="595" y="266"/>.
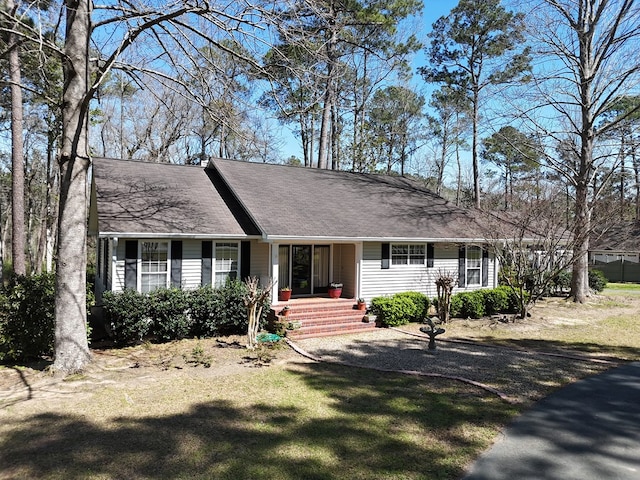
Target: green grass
<point x="628" y="287"/>
<point x="308" y="421"/>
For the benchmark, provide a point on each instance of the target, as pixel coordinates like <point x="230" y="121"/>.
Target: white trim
<point x="177" y="236"/>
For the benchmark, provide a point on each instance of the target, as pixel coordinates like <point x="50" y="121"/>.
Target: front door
<point x="305" y="268"/>
<point x="301" y="269"/>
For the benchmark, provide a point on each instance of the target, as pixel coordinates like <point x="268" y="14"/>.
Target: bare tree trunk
<point x="71" y="346"/>
<point x="474" y="151"/>
<point x="17" y="153"/>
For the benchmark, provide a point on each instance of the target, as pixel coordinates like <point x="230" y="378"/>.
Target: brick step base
<point x="321" y="317"/>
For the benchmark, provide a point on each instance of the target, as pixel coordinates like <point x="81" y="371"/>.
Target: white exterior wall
<point x="191" y="264"/>
<point x="376" y="281"/>
<point x="260" y="261"/>
<point x="117" y="284"/>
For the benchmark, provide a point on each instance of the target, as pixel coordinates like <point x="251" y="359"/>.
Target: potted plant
<point x="362" y="305"/>
<point x="335" y="290"/>
<point x="284" y="294"/>
<point x="285" y="311"/>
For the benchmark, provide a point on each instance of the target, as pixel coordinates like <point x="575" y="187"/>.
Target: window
<point x="226" y="255"/>
<point x="474" y="265"/>
<point x="154" y="267"/>
<point x="407" y="254"/>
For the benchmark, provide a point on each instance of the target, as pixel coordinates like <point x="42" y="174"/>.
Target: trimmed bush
<point x="203" y="309"/>
<point x="467" y="304"/>
<point x="496" y="300"/>
<point x="27" y="316"/>
<point x="597" y="280"/>
<point x="393" y="311"/>
<point x="127" y="315"/>
<point x="420" y="300"/>
<point x="167" y="308"/>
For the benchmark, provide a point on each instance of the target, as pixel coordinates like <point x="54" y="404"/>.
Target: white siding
<point x="401" y="278"/>
<point x="118" y="279"/>
<point x="260" y="261"/>
<point x="191" y="264"/>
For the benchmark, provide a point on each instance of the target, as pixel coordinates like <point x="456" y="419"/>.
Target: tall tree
<point x="329" y="33"/>
<point x="447" y="124"/>
<point x="515" y="153"/>
<point x="174" y="32"/>
<point x="17" y="147"/>
<point x="394" y="115"/>
<point x="587" y="52"/>
<point x="477" y="45"/>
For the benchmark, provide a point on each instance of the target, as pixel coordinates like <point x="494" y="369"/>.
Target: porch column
<point x="275" y="272"/>
<point x="358" y="261"/>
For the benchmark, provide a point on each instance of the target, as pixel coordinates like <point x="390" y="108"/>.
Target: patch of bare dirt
<point x="137" y="365"/>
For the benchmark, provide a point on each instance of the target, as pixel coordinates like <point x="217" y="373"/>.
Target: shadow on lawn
<point x="597" y="350"/>
<point x="366" y="425"/>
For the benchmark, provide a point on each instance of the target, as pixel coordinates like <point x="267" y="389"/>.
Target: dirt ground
<point x="226" y="356"/>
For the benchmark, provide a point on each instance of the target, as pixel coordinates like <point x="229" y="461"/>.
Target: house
<point x="167" y="225"/>
<point x="615" y="250"/>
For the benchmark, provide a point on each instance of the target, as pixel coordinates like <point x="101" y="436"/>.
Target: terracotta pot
<point x="362" y="306"/>
<point x="335" y="292"/>
<point x="285" y="312"/>
<point x="284" y="295"/>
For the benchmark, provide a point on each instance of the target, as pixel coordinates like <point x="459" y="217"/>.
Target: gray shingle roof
<point x="155" y="198"/>
<point x="289" y="201"/>
<point x="620" y="237"/>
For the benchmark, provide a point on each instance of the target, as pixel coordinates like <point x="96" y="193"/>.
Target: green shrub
<point x="597" y="280"/>
<point x="496" y="300"/>
<point x="127" y="315"/>
<point x="561" y="282"/>
<point x="421" y="302"/>
<point x="27" y="316"/>
<point x="393" y="311"/>
<point x="203" y="309"/>
<point x="467" y="304"/>
<point x="167" y="308"/>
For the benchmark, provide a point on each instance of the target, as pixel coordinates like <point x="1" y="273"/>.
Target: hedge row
<point x="401" y="308"/>
<point x="479" y="303"/>
<point x="172" y="314"/>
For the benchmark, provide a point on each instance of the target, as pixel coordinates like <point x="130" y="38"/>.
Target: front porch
<point x="321" y="316"/>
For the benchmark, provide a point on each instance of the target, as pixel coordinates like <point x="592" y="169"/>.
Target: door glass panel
<point x="301" y="269"/>
<point x="283" y="266"/>
<point x="320" y="269"/>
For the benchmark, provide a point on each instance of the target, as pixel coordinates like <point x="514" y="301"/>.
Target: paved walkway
<point x="589" y="430"/>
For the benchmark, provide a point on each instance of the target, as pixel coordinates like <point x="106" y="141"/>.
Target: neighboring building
<point x="167" y="225"/>
<point x="616" y="252"/>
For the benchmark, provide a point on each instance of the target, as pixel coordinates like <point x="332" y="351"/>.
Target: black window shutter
<point x="430" y="255"/>
<point x="245" y="260"/>
<point x="485" y="267"/>
<point x="462" y="280"/>
<point x="176" y="263"/>
<point x="131" y="264"/>
<point x="386" y="255"/>
<point x="207" y="256"/>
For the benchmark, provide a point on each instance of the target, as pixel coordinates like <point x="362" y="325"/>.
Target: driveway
<point x="588" y="430"/>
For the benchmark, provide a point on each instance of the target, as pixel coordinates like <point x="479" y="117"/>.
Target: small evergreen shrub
<point x="27" y="317"/>
<point x="127" y="315"/>
<point x="496" y="300"/>
<point x="561" y="282"/>
<point x="167" y="308"/>
<point x="468" y="304"/>
<point x="421" y="302"/>
<point x="203" y="308"/>
<point x="597" y="280"/>
<point x="393" y="311"/>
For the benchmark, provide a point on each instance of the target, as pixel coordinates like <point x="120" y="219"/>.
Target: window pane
<point x="226" y="263"/>
<point x="154" y="265"/>
<point x="473" y="277"/>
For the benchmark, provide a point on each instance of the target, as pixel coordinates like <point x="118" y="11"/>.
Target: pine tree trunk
<point x="17" y="154"/>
